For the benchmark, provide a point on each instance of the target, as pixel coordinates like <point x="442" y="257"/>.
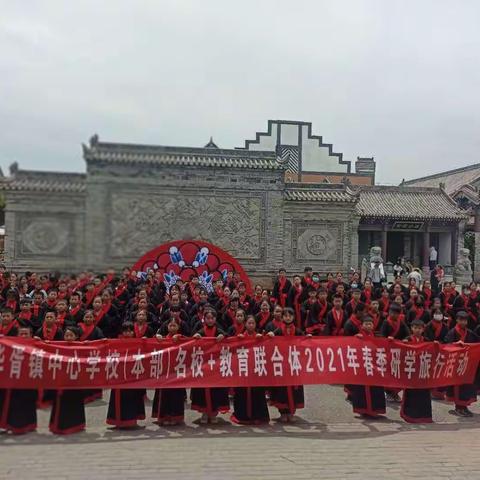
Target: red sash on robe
<point x="356" y="321"/>
<point x="462" y="333"/>
<point x="53" y="331"/>
<point x="139" y="331"/>
<point x="418" y="312"/>
<point x="395" y="325"/>
<point x="239" y="328"/>
<point x="368" y="296"/>
<point x="288" y="329"/>
<point x="297" y="305"/>
<point x="25" y="316"/>
<point x="427" y="295"/>
<point x="210" y="331"/>
<point x="36" y="309"/>
<point x="282" y="300"/>
<point x="61" y="319"/>
<point x="74" y="311"/>
<point x="376" y="319"/>
<point x="98" y="316"/>
<point x="437" y="328"/>
<point x="12" y="304"/>
<point x="264" y="317"/>
<point x="415" y="339"/>
<point x="86" y="330"/>
<point x="5" y="329"/>
<point x="338" y="319"/>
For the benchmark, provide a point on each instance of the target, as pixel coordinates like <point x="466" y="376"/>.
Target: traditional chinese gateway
<point x="283" y="199"/>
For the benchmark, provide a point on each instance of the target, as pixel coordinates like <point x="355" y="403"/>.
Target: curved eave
<point x="170" y="160"/>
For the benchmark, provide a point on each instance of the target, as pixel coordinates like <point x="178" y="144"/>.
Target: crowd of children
<point x="91" y="307"/>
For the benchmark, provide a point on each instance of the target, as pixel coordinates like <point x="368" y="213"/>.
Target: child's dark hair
<point x="127" y="327"/>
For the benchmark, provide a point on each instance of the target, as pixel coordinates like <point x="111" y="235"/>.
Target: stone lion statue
<point x="376" y="255"/>
<point x="463" y="264"/>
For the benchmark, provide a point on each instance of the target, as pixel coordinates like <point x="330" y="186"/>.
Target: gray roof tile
<point x="320" y="195"/>
<point x="202" y="157"/>
<point x="407" y="203"/>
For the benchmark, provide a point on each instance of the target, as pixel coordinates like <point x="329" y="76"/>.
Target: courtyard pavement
<point x="326" y="442"/>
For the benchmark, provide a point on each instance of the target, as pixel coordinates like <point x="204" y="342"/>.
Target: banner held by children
<point x="234" y="362"/>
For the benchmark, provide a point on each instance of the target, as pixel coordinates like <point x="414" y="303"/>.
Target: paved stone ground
<point x="326" y="442"/>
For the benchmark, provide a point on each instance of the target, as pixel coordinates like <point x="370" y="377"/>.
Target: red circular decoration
<point x="182" y="258"/>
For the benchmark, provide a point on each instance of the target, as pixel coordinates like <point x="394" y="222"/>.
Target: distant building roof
<point x="452" y="179"/>
<point x="407" y="203"/>
<point x="210" y="156"/>
<point x="320" y="193"/>
<point x="44" y="181"/>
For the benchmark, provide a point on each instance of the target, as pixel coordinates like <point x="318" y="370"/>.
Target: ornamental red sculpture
<point x="183" y="258"/>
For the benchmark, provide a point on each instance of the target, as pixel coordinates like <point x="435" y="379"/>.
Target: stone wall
<point x="45" y="231"/>
<point x="128" y="209"/>
<point x="133" y="208"/>
<point x="321" y="235"/>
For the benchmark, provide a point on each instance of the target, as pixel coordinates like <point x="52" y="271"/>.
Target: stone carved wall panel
<point x="139" y="223"/>
<point x="44" y="236"/>
<point x="317" y="242"/>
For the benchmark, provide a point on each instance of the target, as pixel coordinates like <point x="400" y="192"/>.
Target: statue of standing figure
<point x="376" y="272"/>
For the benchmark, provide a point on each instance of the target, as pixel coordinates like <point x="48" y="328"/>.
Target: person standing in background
<point x="433" y="257"/>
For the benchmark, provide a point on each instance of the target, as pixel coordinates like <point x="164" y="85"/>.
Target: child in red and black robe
<point x="49" y="331"/>
<point x="427" y="294"/>
<point x="63" y="317"/>
<point x="367" y="293"/>
<point x="141" y="328"/>
<point x="281" y="287"/>
<point x="228" y="317"/>
<point x="238" y="326"/>
<point x="466" y="394"/>
<point x="436" y="331"/>
<point x="336" y="317"/>
<point x="68" y="408"/>
<point x="467" y="302"/>
<point x="418" y="311"/>
<point x="368" y="401"/>
<point x="126" y="406"/>
<point x="249" y="403"/>
<point x="276" y="320"/>
<point x="264" y="317"/>
<point x="416" y="402"/>
<point x="307" y="305"/>
<point x="9" y="326"/>
<point x="295" y="295"/>
<point x="25" y="317"/>
<point x="169" y="403"/>
<point x="210" y="401"/>
<point x="18" y="407"/>
<point x="352" y="327"/>
<point x="354" y="323"/>
<point x="356" y="294"/>
<point x="287" y="399"/>
<point x="75" y="308"/>
<point x="376" y="314"/>
<point x="317" y="316"/>
<point x="89" y="332"/>
<point x="394" y="327"/>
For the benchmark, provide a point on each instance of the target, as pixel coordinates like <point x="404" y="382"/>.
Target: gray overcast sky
<point x="398" y="80"/>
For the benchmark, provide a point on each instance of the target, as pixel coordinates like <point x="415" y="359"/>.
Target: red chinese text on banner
<point x="152" y="363"/>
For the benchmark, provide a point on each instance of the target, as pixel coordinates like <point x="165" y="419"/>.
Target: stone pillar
<point x="476" y="265"/>
<point x="384" y="243"/>
<point x="426" y="252"/>
<point x="454" y="247"/>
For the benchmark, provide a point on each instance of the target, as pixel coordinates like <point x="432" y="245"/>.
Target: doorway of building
<point x="395" y="246"/>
